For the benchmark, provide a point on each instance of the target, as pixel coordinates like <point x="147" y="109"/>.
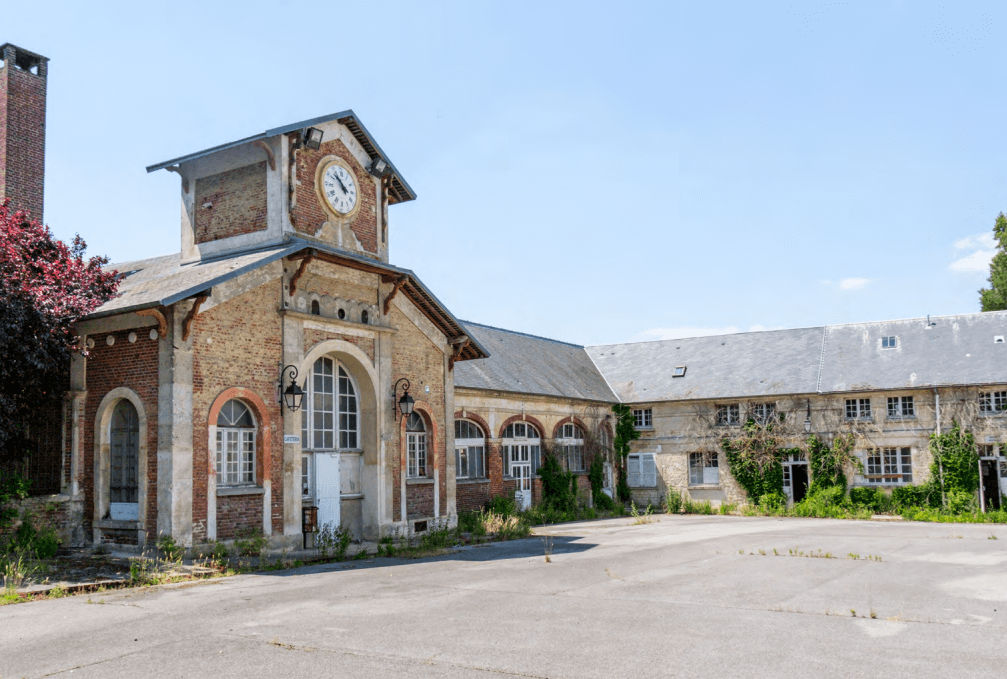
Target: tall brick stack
<point x="22" y="128"/>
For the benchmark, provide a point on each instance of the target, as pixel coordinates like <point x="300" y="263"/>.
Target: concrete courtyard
<point x="681" y="596"/>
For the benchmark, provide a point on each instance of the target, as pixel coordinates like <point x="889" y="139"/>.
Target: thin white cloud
<point x="979" y="241"/>
<point x="853" y="283"/>
<point x="982" y="246"/>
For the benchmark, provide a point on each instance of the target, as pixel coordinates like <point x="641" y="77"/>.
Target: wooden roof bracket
<point x="158" y="315"/>
<point x="459" y="344"/>
<point x="269" y="153"/>
<point x="395" y="290"/>
<point x="191" y="316"/>
<point x="300" y="272"/>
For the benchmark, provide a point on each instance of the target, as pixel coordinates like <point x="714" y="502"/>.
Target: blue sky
<point x="593" y="172"/>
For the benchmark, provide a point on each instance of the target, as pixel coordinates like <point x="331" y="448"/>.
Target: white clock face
<point x="339" y="189"/>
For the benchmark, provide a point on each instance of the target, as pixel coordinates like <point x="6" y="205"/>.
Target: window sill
<point x="112" y="524"/>
<point x="704" y="486"/>
<point x="902" y="418"/>
<point x="644" y="428"/>
<point x="642" y="487"/>
<point x="419" y="481"/>
<point x="225" y="491"/>
<point x="859" y="419"/>
<point x="466" y="480"/>
<point x="998" y="413"/>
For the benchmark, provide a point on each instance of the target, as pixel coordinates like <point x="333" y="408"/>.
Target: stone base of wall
<point x="62" y="513"/>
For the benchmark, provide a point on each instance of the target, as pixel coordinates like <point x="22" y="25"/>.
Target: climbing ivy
<point x="625" y="432"/>
<point x="828" y="463"/>
<point x="754" y="459"/>
<point x="954" y="467"/>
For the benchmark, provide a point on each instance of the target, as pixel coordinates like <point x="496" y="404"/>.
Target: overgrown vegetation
<point x="754" y="460"/>
<point x="625" y="433"/>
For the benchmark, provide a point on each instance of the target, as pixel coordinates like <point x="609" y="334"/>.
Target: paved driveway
<point x="682" y="596"/>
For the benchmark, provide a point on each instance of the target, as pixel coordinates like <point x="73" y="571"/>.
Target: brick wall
<point x="472" y="495"/>
<point x="22" y="135"/>
<point x="123" y="364"/>
<point x="309" y="214"/>
<point x="419" y="360"/>
<point x="230" y="203"/>
<point x="237" y="344"/>
<point x="238" y="516"/>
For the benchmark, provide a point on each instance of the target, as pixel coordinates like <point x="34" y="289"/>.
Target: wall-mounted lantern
<point x="807" y="419"/>
<point x="405" y="404"/>
<point x="293" y="394"/>
<point x="311" y="137"/>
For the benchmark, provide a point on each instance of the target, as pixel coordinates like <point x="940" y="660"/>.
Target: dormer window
<point x="679" y="371"/>
<point x="889" y="342"/>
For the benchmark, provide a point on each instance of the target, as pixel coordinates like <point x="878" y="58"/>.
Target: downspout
<point x="940" y="465"/>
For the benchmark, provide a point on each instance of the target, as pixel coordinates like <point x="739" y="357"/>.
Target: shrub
<point x="603" y="502"/>
<point x="502" y="504"/>
<point x="727" y="508"/>
<point x="904" y="497"/>
<point x="828" y="502"/>
<point x="962" y="502"/>
<point x="954" y="454"/>
<point x="559" y="489"/>
<point x="772" y="502"/>
<point x="673" y="501"/>
<point x="873" y="499"/>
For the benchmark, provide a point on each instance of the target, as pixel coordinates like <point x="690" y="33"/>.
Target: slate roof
<point x="528" y="364"/>
<point x="941" y="351"/>
<point x="161" y="281"/>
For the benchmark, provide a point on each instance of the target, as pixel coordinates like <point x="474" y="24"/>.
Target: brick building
<point x="177" y="423"/>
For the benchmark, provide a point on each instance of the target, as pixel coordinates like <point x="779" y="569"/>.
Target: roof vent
<point x="998" y="339"/>
<point x="679" y="371"/>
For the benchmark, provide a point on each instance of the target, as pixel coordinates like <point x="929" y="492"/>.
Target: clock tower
<point x="321" y="180"/>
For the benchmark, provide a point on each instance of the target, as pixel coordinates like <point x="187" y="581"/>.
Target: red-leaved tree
<point x="45" y="287"/>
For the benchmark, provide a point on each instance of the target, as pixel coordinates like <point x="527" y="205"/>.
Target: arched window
<point x="570" y="446"/>
<point x="235" y="445"/>
<point x="316" y="309"/>
<point x="470" y="450"/>
<point x="416" y="447"/>
<point x="521" y="444"/>
<point x="124" y="488"/>
<point x="331" y="418"/>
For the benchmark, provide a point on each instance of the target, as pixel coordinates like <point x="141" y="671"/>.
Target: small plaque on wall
<point x="291" y="438"/>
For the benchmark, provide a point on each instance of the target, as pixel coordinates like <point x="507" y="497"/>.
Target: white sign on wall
<point x="291" y="438"/>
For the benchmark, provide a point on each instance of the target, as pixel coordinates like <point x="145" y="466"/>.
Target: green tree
<point x="994" y="298"/>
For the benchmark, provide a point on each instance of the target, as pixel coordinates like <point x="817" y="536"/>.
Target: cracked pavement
<point x="680" y="596"/>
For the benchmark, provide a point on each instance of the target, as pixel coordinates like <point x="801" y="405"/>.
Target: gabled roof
<point x="928" y="352"/>
<point x="528" y="364"/>
<point x="162" y="281"/>
<point x="399" y="192"/>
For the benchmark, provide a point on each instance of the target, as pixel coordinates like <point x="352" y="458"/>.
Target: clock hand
<point x="341" y="185"/>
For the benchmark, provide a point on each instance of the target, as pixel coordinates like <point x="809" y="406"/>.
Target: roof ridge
<point x="522" y="334"/>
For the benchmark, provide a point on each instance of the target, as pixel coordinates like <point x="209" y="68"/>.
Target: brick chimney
<point x="22" y="128"/>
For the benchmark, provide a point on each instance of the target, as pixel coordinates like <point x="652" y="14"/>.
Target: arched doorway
<point x="124" y="463"/>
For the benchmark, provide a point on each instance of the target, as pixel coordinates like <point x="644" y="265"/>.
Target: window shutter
<point x="633" y="471"/>
<point x="648" y="470"/>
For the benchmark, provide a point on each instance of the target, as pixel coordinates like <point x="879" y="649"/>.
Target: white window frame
<point x="417" y="466"/>
<point x="510" y="446"/>
<point x="473" y="447"/>
<point x="993" y="402"/>
<point x="904" y="408"/>
<point x="889" y="466"/>
<point x="889" y="342"/>
<point x="571" y="441"/>
<point x="860" y="409"/>
<point x="704" y="468"/>
<point x="641" y="470"/>
<point x="643" y="418"/>
<point x="763" y="412"/>
<point x="236" y="451"/>
<point x="336" y="422"/>
<point x="728" y="414"/>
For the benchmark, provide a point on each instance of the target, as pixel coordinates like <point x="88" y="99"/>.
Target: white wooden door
<point x="327" y="488"/>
